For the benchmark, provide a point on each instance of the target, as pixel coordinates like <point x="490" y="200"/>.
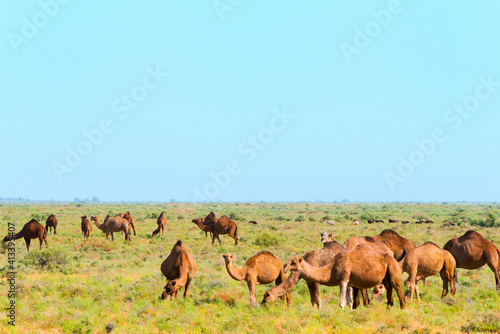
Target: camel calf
<point x="87" y="226"/>
<point x="162" y="222"/>
<point x="31" y="230"/>
<point x="427" y="260"/>
<point x="50" y="223"/>
<point x="179" y="268"/>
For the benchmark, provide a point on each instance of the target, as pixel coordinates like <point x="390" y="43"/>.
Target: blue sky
<point x="244" y="101"/>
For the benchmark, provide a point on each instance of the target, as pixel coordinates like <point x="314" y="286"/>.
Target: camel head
<point x="326" y="237"/>
<point x="295" y="264"/>
<point x="119" y="214"/>
<point x="170" y="289"/>
<point x="7" y="238"/>
<point x="84" y="218"/>
<point x="228" y="258"/>
<point x="94" y="218"/>
<point x="268" y="298"/>
<point x="378" y="290"/>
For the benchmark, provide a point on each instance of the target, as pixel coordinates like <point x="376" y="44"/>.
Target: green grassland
<point x="78" y="286"/>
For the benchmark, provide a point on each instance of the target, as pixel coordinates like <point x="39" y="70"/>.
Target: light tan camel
<point x="262" y="268"/>
<point x="472" y="251"/>
<point x="399" y="245"/>
<point x="179" y="268"/>
<point x="218" y="226"/>
<point x="130" y="220"/>
<point x="114" y="224"/>
<point x="31" y="230"/>
<point x="50" y="223"/>
<point x="100" y="226"/>
<point x="362" y="268"/>
<point x="317" y="258"/>
<point x="87" y="226"/>
<point x="378" y="291"/>
<point x="428" y="260"/>
<point x="162" y="222"/>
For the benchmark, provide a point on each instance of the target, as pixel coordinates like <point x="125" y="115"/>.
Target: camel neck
<point x="235" y="273"/>
<point x="321" y="275"/>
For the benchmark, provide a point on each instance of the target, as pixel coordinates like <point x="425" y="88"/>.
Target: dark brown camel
<point x="218" y="226"/>
<point x="130" y="220"/>
<point x="179" y="268"/>
<point x="162" y="222"/>
<point x="472" y="251"/>
<point x="50" y="223"/>
<point x="87" y="226"/>
<point x="31" y="230"/>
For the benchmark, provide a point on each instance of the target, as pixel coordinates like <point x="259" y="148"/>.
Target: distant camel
<point x="370" y="221"/>
<point x="355" y="222"/>
<point x="114" y="224"/>
<point x="362" y="268"/>
<point x="200" y="223"/>
<point x="393" y="220"/>
<point x="130" y="220"/>
<point x="472" y="251"/>
<point x="399" y="245"/>
<point x="50" y="223"/>
<point x="31" y="230"/>
<point x="378" y="220"/>
<point x="218" y="226"/>
<point x="427" y="260"/>
<point x="162" y="222"/>
<point x="262" y="268"/>
<point x="317" y="258"/>
<point x="87" y="226"/>
<point x="179" y="268"/>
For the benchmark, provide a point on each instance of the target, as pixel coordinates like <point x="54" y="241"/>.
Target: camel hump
<point x="431" y="243"/>
<point x="179" y="243"/>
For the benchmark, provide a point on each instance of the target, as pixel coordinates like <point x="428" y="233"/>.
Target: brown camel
<point x="427" y="260"/>
<point x="262" y="268"/>
<point x="317" y="258"/>
<point x="221" y="225"/>
<point x="378" y="291"/>
<point x="179" y="268"/>
<point x="362" y="268"/>
<point x="472" y="251"/>
<point x="31" y="230"/>
<point x="130" y="220"/>
<point x="113" y="224"/>
<point x="100" y="226"/>
<point x="399" y="245"/>
<point x="162" y="222"/>
<point x="87" y="226"/>
<point x="50" y="223"/>
<point x="200" y="222"/>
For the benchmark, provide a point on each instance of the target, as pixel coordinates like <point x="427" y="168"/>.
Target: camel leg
<point x="220" y="243"/>
<point x="315" y="293"/>
<point x="496" y="271"/>
<point x="55" y="230"/>
<point x="28" y="241"/>
<point x="366" y="298"/>
<point x="343" y="293"/>
<point x="388" y="288"/>
<point x="186" y="287"/>
<point x="355" y="297"/>
<point x="251" y="289"/>
<point x="112" y="237"/>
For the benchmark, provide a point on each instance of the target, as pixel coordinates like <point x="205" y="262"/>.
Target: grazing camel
<point x="162" y="222"/>
<point x="221" y="225"/>
<point x="378" y="291"/>
<point x="399" y="245"/>
<point x="317" y="258"/>
<point x="179" y="268"/>
<point x="427" y="260"/>
<point x="50" y="223"/>
<point x="87" y="226"/>
<point x="355" y="222"/>
<point x="472" y="251"/>
<point x="31" y="230"/>
<point x="130" y="220"/>
<point x="262" y="268"/>
<point x="361" y="268"/>
<point x="113" y="224"/>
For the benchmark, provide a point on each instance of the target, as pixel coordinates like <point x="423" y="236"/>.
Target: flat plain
<point x="100" y="286"/>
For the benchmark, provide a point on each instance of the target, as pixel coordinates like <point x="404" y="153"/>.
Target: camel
<point x="87" y="226"/>
<point x="399" y="245"/>
<point x="378" y="291"/>
<point x="179" y="268"/>
<point x="130" y="220"/>
<point x="221" y="225"/>
<point x="262" y="268"/>
<point x="31" y="230"/>
<point x="50" y="223"/>
<point x="113" y="224"/>
<point x="472" y="251"/>
<point x="360" y="268"/>
<point x="162" y="222"/>
<point x="427" y="260"/>
<point x="317" y="258"/>
<point x="200" y="223"/>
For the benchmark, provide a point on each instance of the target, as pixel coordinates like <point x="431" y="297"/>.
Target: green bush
<point x="312" y="219"/>
<point x="266" y="240"/>
<point x="46" y="257"/>
<point x="300" y="218"/>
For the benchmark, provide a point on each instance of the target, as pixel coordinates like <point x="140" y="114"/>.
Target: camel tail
<point x="235" y="230"/>
<point x="456" y="278"/>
